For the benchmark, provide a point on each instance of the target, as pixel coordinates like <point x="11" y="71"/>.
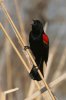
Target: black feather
<point x="38" y="48"/>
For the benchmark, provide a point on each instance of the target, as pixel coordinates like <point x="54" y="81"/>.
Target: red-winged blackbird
<point x="39" y="45"/>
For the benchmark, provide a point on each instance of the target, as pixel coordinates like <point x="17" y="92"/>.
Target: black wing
<point x="45" y="52"/>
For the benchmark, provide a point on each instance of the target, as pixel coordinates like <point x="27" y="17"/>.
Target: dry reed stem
<point x="19" y="55"/>
<point x="21" y="28"/>
<point x="61" y="64"/>
<point x="9" y="68"/>
<point x="52" y="84"/>
<point x="11" y="90"/>
<point x="20" y="20"/>
<point x="3" y="94"/>
<point x="51" y="55"/>
<point x="19" y="37"/>
<point x="12" y="24"/>
<point x="1" y="1"/>
<point x="16" y="31"/>
<point x="22" y="31"/>
<point x="31" y="88"/>
<point x="17" y="52"/>
<point x="14" y="47"/>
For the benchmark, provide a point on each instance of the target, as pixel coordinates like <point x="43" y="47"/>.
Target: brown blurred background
<point x="12" y="71"/>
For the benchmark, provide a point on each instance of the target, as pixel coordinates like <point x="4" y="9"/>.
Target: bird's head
<point x="37" y="27"/>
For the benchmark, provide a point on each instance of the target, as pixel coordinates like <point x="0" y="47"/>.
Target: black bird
<point x="39" y="45"/>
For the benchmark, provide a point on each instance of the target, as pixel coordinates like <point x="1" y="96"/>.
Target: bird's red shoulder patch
<point x="45" y="38"/>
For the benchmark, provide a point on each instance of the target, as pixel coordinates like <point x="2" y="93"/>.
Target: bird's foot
<point x="34" y="74"/>
<point x="26" y="47"/>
